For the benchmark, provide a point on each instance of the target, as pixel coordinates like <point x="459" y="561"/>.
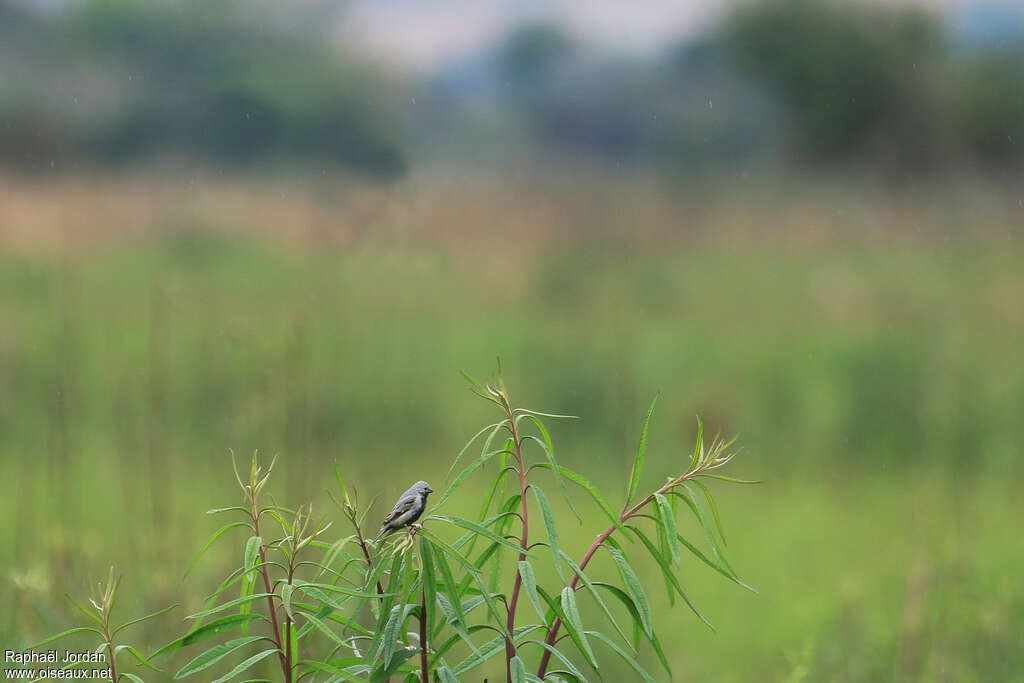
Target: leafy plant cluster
<point x="444" y="598"/>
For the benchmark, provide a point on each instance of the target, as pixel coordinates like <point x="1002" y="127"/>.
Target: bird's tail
<point x="383" y="530"/>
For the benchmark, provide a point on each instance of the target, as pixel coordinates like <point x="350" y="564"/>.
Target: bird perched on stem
<point x="408" y="508"/>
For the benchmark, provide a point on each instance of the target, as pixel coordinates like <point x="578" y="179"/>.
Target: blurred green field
<point x="873" y="375"/>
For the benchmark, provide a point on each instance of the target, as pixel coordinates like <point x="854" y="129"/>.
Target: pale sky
<point x="420" y="35"/>
<point x="423" y="34"/>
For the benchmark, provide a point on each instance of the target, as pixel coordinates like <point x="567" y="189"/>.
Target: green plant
<point x="99" y="619"/>
<point x="418" y="603"/>
<point x="558" y="609"/>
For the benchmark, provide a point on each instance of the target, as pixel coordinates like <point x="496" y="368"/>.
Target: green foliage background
<point x="873" y="381"/>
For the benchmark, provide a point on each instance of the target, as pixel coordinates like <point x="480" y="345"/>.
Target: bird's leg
<point x="415" y="526"/>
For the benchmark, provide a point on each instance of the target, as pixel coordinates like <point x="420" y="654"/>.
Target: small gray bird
<point x="408" y="508"/>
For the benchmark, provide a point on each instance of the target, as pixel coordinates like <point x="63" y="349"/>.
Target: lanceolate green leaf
<point x="327" y="612"/>
<point x="336" y="671"/>
<point x="333" y="552"/>
<point x="452" y="596"/>
<point x="625" y="599"/>
<point x="526" y="411"/>
<point x="248" y="587"/>
<point x="229" y="604"/>
<point x="662" y="551"/>
<point x="585" y="484"/>
<point x="450" y="586"/>
<point x="232" y="578"/>
<point x="393" y="588"/>
<point x="732" y="480"/>
<point x="480" y="390"/>
<point x="699" y="447"/>
<point x="246" y="665"/>
<point x="561" y="657"/>
<point x="491" y="648"/>
<point x="714" y="509"/>
<point x="530" y="584"/>
<point x="135" y="653"/>
<point x="560" y="676"/>
<point x="660" y="651"/>
<point x="668" y="518"/>
<point x="493" y="428"/>
<point x="631" y="608"/>
<point x="685" y="493"/>
<point x="250" y="562"/>
<point x="373" y="577"/>
<point x="286" y="599"/>
<point x="216" y="626"/>
<point x="210" y="541"/>
<point x="391" y="632"/>
<point x="324" y="628"/>
<point x="549" y="452"/>
<point x="69" y="632"/>
<point x="214" y="655"/>
<point x="461" y="631"/>
<point x="670" y="578"/>
<point x="497" y="487"/>
<point x="625" y="655"/>
<point x="549" y="524"/>
<point x="233" y="508"/>
<point x="554" y="608"/>
<point x="463" y="475"/>
<point x="141" y="619"/>
<point x="384" y="672"/>
<point x="597" y="596"/>
<point x="446" y="676"/>
<point x="91" y="614"/>
<point x="480" y="531"/>
<point x="633" y="587"/>
<point x="429" y="583"/>
<point x="306" y="586"/>
<point x="485" y="652"/>
<point x="293" y="639"/>
<point x="517" y="669"/>
<point x="341" y="484"/>
<point x="252" y="550"/>
<point x="439" y="652"/>
<point x="575" y="625"/>
<point x="641" y="454"/>
<point x="497" y="564"/>
<point x="473" y="571"/>
<point x="704" y="558"/>
<point x="497" y="484"/>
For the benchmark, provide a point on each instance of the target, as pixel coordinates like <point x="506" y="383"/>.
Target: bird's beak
<point x="430" y="490"/>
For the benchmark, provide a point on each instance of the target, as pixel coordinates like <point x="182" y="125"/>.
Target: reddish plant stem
<point x="114" y="678"/>
<point x="598" y="542"/>
<point x="424" y="664"/>
<point x="366" y="554"/>
<point x="510" y="648"/>
<point x="282" y="657"/>
<point x="110" y="648"/>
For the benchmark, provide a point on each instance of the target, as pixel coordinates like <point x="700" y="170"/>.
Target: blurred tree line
<point x="807" y="82"/>
<point x="819" y="82"/>
<point x="883" y="84"/>
<point x="116" y="81"/>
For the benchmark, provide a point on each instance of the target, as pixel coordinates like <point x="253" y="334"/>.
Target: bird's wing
<point x="404" y="504"/>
